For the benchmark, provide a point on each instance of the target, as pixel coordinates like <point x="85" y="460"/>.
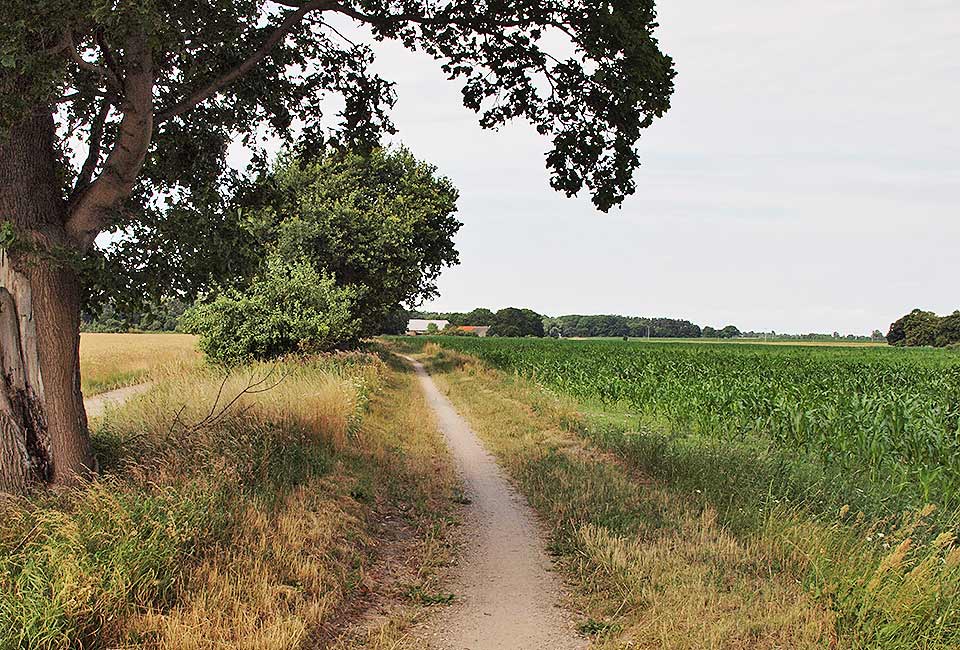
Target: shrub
<point x="289" y="308"/>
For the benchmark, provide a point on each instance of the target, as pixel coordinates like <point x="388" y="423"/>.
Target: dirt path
<point x="507" y="597"/>
<point x="98" y="404"/>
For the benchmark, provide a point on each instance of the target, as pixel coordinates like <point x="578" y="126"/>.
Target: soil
<point x="506" y="595"/>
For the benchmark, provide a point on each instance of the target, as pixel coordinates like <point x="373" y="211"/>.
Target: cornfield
<point x="891" y="415"/>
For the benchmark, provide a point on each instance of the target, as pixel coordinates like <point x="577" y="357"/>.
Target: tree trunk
<point x="43" y="425"/>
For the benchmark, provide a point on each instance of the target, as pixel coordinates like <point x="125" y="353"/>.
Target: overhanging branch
<point x="291" y="21"/>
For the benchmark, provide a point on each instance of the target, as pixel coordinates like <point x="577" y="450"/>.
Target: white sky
<point x="806" y="179"/>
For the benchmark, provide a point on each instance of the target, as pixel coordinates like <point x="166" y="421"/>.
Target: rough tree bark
<point x="43" y="427"/>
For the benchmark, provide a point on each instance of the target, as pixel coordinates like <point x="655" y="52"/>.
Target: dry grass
<point x="109" y="361"/>
<point x="409" y="576"/>
<point x="286" y="572"/>
<point x="694" y="586"/>
<point x="257" y="527"/>
<point x="287" y="579"/>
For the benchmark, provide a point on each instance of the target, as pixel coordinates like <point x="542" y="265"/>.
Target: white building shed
<point x="417" y="326"/>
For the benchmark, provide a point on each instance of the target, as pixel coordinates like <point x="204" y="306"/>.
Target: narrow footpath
<point x="96" y="405"/>
<point x="507" y="596"/>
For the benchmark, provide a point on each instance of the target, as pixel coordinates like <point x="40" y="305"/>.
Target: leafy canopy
<point x="148" y="95"/>
<point x="372" y="231"/>
<point x="382" y="222"/>
<point x="925" y="328"/>
<point x="512" y="321"/>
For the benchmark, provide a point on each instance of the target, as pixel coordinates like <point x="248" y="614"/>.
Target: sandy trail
<point x="97" y="405"/>
<point x="507" y="595"/>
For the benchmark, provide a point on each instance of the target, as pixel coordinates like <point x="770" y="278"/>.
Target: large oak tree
<point x="112" y="109"/>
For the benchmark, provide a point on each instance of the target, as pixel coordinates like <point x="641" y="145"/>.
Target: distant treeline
<point x="507" y="321"/>
<point x="925" y="328"/>
<point x="577" y="326"/>
<point x="162" y="316"/>
<point x="609" y="325"/>
<point x="917" y="328"/>
<point x="813" y="336"/>
<point x="511" y="321"/>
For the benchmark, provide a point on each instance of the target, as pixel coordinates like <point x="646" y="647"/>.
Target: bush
<point x="290" y="308"/>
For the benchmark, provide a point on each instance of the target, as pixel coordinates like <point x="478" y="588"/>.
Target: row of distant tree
<point x="877" y="335"/>
<point x="162" y="316"/>
<point x="918" y="328"/>
<point x="526" y="322"/>
<point x="510" y="321"/>
<point x="925" y="328"/>
<point x="576" y="325"/>
<point x="614" y="326"/>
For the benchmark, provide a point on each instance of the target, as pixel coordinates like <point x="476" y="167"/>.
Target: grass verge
<point x="682" y="543"/>
<point x="254" y="527"/>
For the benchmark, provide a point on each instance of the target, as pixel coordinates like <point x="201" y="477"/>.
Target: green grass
<point x="881" y="416"/>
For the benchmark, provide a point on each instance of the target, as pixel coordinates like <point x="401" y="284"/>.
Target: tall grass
<point x="245" y="527"/>
<point x="109" y="361"/>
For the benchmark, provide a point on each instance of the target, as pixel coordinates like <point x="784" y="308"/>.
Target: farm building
<point x="479" y="330"/>
<point x="416" y="326"/>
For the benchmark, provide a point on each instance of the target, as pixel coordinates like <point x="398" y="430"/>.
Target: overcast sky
<point x="806" y="179"/>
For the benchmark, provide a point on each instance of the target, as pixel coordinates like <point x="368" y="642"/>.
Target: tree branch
<point x="69" y="97"/>
<point x="108" y="56"/>
<point x="389" y="18"/>
<point x="338" y="33"/>
<point x="112" y="79"/>
<point x="93" y="155"/>
<point x="92" y="207"/>
<point x="411" y="17"/>
<point x="291" y="21"/>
